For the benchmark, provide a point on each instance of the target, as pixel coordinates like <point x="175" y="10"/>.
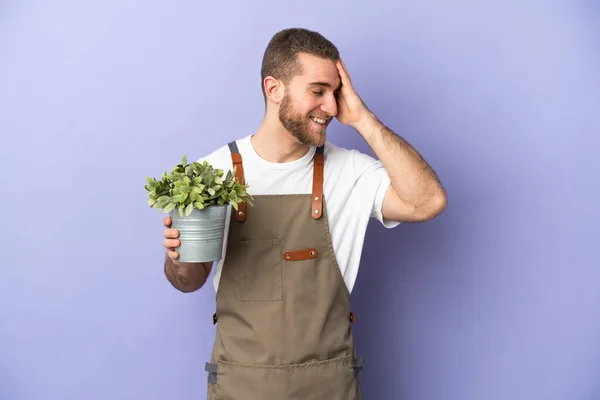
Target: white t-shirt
<point x="354" y="186"/>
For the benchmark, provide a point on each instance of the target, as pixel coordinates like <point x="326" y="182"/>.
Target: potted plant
<point x="197" y="196"/>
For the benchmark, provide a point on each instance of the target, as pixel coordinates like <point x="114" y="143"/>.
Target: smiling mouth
<point x="319" y="121"/>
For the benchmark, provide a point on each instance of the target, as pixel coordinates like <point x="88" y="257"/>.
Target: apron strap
<point x="236" y="158"/>
<point x="317" y="189"/>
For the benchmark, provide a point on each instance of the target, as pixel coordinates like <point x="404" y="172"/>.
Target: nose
<point x="330" y="105"/>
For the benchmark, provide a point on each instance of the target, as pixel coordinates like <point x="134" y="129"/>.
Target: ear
<point x="274" y="89"/>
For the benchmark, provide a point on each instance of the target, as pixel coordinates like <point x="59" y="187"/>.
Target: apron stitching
<point x="290" y="366"/>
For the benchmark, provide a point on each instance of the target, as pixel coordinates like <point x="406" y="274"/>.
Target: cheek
<point x="310" y="105"/>
<point x="304" y="103"/>
<point x="305" y="107"/>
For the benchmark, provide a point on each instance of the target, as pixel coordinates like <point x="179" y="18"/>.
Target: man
<point x="290" y="261"/>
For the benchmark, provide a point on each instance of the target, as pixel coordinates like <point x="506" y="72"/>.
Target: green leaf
<point x="189" y="209"/>
<point x="183" y="198"/>
<point x="184" y="160"/>
<point x="162" y="201"/>
<point x="169" y="207"/>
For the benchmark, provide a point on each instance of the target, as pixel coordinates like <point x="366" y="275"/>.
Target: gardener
<point x="290" y="261"/>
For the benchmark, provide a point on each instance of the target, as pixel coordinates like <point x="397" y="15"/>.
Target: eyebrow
<point x="325" y="84"/>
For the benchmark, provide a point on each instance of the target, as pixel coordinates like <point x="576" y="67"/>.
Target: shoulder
<point x="220" y="157"/>
<point x="336" y="156"/>
<point x="349" y="160"/>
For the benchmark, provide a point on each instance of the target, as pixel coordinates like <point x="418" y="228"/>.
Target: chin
<point x="320" y="139"/>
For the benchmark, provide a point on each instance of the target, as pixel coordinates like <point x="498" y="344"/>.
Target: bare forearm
<point x="413" y="179"/>
<point x="186" y="277"/>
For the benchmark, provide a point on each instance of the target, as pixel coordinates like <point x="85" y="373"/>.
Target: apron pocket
<point x="235" y="381"/>
<point x="333" y="379"/>
<point x="261" y="270"/>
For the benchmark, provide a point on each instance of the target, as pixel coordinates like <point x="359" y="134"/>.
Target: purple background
<point x="497" y="299"/>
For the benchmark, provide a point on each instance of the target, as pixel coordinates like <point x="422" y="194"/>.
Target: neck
<point x="274" y="143"/>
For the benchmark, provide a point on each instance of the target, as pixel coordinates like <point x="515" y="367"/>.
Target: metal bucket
<point x="201" y="233"/>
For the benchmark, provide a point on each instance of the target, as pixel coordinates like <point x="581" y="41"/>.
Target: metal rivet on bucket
<point x="288" y="256"/>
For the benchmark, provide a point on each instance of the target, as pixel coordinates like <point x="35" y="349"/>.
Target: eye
<point x="318" y="93"/>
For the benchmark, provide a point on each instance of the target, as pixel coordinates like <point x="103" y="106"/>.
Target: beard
<point x="300" y="126"/>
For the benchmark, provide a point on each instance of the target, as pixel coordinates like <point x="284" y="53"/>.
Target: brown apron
<point x="283" y="309"/>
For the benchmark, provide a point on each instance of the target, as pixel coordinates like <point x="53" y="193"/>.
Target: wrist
<point x="186" y="277"/>
<point x="368" y="126"/>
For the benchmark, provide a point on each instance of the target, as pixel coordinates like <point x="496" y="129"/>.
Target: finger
<point x="171" y="233"/>
<point x="173" y="255"/>
<point x="171" y="243"/>
<point x="346" y="71"/>
<point x="167" y="222"/>
<point x="344" y="68"/>
<point x="343" y="73"/>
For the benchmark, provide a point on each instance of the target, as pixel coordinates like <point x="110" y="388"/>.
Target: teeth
<point x="318" y="120"/>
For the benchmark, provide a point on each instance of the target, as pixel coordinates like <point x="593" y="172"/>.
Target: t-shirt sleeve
<point x="372" y="183"/>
